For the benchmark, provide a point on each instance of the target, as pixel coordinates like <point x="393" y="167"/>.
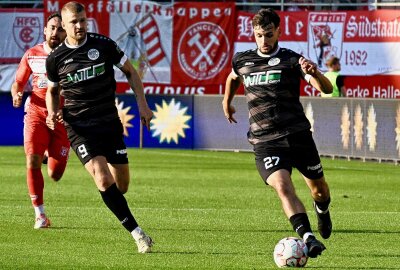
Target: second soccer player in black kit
<point x="82" y="67"/>
<point x="279" y="129"/>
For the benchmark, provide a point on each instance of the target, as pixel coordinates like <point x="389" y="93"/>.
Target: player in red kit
<point x="38" y="138"/>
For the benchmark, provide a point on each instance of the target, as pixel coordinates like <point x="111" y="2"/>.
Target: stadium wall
<point x="342" y="127"/>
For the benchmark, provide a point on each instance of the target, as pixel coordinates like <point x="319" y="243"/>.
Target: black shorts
<point x="296" y="150"/>
<point x="102" y="140"/>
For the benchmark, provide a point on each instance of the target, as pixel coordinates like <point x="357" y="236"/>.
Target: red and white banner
<point x="20" y="30"/>
<point x="187" y="48"/>
<point x="366" y="42"/>
<point x="142" y="29"/>
<point x="203" y="39"/>
<point x="189" y="43"/>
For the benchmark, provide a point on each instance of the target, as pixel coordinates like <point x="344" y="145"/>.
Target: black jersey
<point x="86" y="76"/>
<point x="272" y="89"/>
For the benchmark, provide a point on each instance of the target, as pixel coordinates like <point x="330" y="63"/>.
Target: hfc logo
<point x="26" y="31"/>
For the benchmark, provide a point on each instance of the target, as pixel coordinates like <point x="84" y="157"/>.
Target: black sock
<point x="117" y="203"/>
<point x="300" y="223"/>
<point x="323" y="206"/>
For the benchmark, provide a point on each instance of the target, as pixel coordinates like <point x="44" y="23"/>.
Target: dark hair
<point x="54" y="15"/>
<point x="265" y="17"/>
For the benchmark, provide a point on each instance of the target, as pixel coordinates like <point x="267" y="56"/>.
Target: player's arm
<point x="137" y="86"/>
<point x="17" y="91"/>
<point x="52" y="104"/>
<point x="232" y="83"/>
<point x="315" y="77"/>
<point x="21" y="78"/>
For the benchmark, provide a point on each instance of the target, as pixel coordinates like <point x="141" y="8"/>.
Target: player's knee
<point x="320" y="190"/>
<point x="33" y="162"/>
<point x="123" y="187"/>
<point x="283" y="189"/>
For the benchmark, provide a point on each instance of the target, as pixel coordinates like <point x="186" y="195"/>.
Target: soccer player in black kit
<point x="82" y="67"/>
<point x="279" y="130"/>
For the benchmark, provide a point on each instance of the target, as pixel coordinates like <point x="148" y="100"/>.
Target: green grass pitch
<point x="205" y="210"/>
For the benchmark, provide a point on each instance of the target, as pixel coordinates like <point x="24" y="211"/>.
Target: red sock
<point x="34" y="179"/>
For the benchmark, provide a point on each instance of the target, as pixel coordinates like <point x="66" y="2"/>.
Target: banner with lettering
<point x="366" y="42"/>
<point x="142" y="29"/>
<point x="186" y="48"/>
<point x="20" y="29"/>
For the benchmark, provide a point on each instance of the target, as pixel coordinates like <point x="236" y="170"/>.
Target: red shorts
<point x="38" y="137"/>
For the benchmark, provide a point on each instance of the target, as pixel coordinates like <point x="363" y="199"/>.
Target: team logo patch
<point x="203" y="50"/>
<point x="64" y="151"/>
<point x="93" y="54"/>
<point x="274" y="61"/>
<point x="26" y="31"/>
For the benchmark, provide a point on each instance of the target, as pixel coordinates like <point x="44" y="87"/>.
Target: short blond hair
<point x="74" y="7"/>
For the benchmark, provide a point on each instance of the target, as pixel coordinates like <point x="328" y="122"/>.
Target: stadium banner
<point x="151" y="35"/>
<point x="171" y="126"/>
<point x="20" y="29"/>
<point x="173" y="89"/>
<point x="142" y="29"/>
<point x="202" y="35"/>
<point x="7" y="76"/>
<point x="203" y="38"/>
<point x="365" y="41"/>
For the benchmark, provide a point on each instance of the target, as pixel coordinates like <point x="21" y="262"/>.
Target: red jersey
<point x="34" y="63"/>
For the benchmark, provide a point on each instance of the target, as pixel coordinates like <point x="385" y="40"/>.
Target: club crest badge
<point x="93" y="54"/>
<point x="274" y="61"/>
<point x="26" y="31"/>
<point x="203" y="50"/>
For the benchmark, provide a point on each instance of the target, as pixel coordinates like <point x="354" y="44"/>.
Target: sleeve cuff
<point x="122" y="62"/>
<point x="307" y="77"/>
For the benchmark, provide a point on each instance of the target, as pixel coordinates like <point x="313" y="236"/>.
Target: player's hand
<point x="145" y="116"/>
<point x="308" y="66"/>
<point x="17" y="99"/>
<point x="229" y="111"/>
<point x="59" y="117"/>
<point x="51" y="121"/>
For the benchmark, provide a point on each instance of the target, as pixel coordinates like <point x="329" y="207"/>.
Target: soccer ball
<point x="290" y="252"/>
